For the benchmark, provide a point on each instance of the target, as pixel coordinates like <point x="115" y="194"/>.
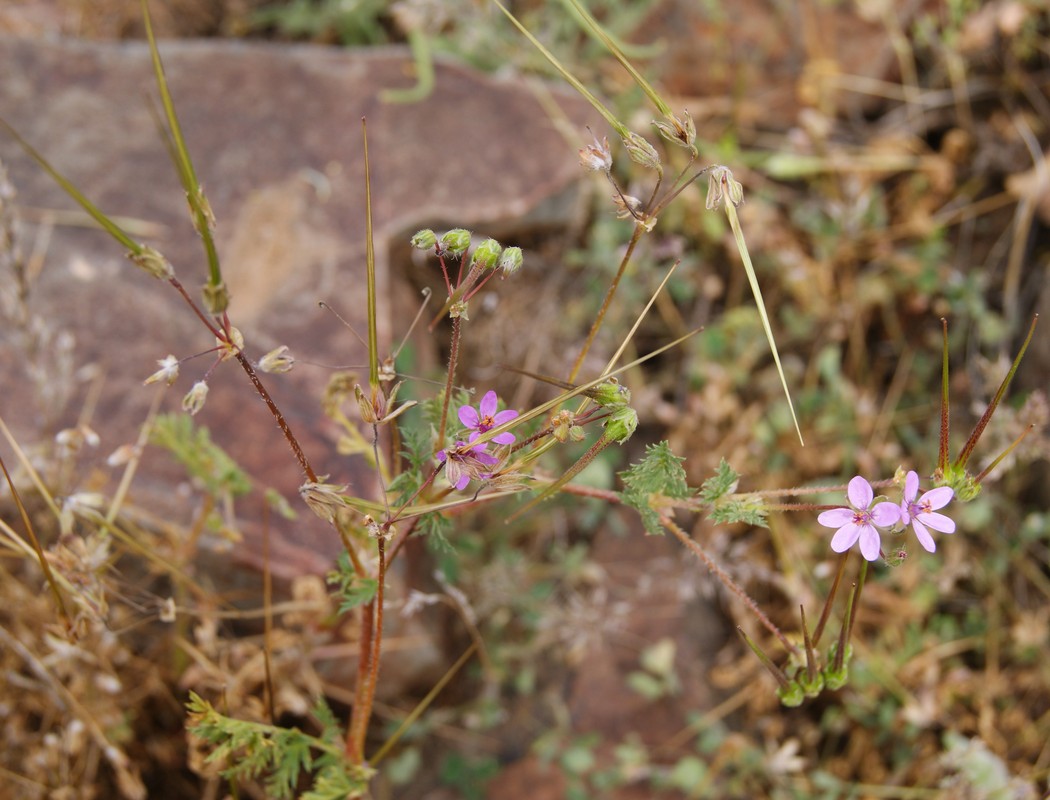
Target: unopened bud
<point x="621" y="424"/>
<point x="487" y="254"/>
<point x="511" y="260"/>
<point x="454" y="243"/>
<point x="610" y="393"/>
<point x="425" y="239"/>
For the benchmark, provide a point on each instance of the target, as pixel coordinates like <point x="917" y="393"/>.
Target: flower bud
<point x="425" y="239"/>
<point x="610" y="393"/>
<point x="641" y="152"/>
<point x="486" y="254"/>
<point x="454" y="243"/>
<point x="621" y="424"/>
<point x="195" y="397"/>
<point x="511" y="260"/>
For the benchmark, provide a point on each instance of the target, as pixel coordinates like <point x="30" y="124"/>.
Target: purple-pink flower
<point x="485" y="417"/>
<point x="920" y="513"/>
<point x="860" y="521"/>
<point x="462" y="465"/>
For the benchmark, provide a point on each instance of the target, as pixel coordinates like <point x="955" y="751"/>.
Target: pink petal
<point x="509" y="414"/>
<point x="489" y="403"/>
<point x="938" y="498"/>
<point x="468" y="415"/>
<point x="923" y="536"/>
<point x="836" y="517"/>
<point x="911" y="486"/>
<point x="504" y="438"/>
<point x="938" y="522"/>
<point x="860" y="493"/>
<point x="885" y="514"/>
<point x="870" y="543"/>
<point x="845" y="537"/>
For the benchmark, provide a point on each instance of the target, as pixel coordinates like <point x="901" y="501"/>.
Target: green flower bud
<point x="610" y="394"/>
<point x="811" y="688"/>
<point x="621" y="424"/>
<point x="486" y="254"/>
<point x="511" y="260"/>
<point x="425" y="239"/>
<point x="454" y="243"/>
<point x="791" y="695"/>
<point x="641" y="152"/>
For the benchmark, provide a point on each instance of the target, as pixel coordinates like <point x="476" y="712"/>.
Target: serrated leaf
<point x="723" y="482"/>
<point x="659" y="474"/>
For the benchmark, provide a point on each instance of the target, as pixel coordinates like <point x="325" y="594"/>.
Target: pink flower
<point x="485" y="418"/>
<point x="920" y="513"/>
<point x="462" y="465"/>
<point x="860" y="521"/>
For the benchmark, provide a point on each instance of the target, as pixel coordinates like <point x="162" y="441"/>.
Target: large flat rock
<point x="276" y="137"/>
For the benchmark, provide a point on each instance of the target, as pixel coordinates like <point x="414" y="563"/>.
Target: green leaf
<point x="720" y="484"/>
<point x="201" y="458"/>
<point x="659" y="474"/>
<point x="353" y="590"/>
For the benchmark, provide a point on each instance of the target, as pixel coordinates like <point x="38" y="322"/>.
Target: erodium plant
<point x="449" y="454"/>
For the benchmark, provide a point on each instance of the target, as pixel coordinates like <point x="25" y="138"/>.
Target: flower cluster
<point x="866" y="514"/>
<point x="462" y="463"/>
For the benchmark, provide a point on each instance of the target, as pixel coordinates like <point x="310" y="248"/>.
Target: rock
<point x="275" y="133"/>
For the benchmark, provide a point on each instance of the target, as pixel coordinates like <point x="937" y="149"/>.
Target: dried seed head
<point x="680" y="130"/>
<point x="597" y="156"/>
<point x="277" y="361"/>
<point x="153" y="262"/>
<point x="195" y="397"/>
<point x="168" y="372"/>
<point x="723" y="187"/>
<point x="641" y="152"/>
<point x="232" y="345"/>
<point x="216" y="297"/>
<point x="324" y="499"/>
